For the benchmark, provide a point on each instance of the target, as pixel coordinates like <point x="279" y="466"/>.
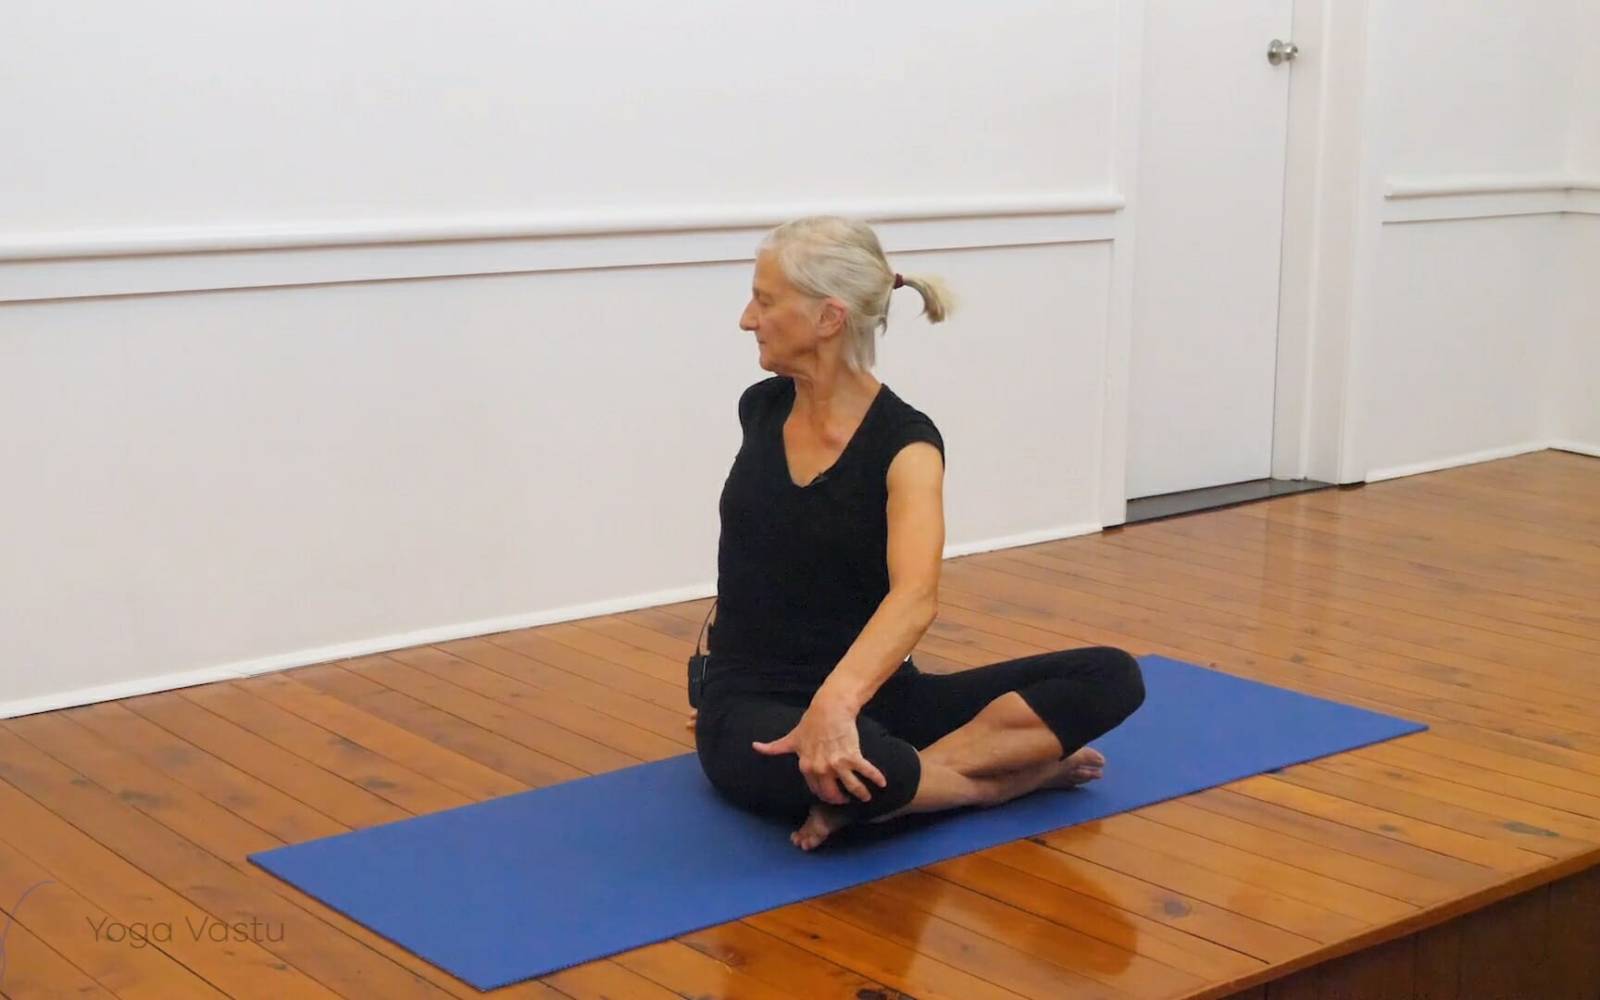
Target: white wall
<point x="1585" y="141"/>
<point x="1456" y="355"/>
<point x="1577" y="368"/>
<point x="327" y="330"/>
<point x="1477" y="88"/>
<point x="262" y="113"/>
<point x="391" y="325"/>
<point x="1469" y="291"/>
<point x="1577" y="376"/>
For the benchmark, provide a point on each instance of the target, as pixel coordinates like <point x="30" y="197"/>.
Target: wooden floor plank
<point x="886" y="960"/>
<point x="1476" y="652"/>
<point x="1028" y="973"/>
<point x="1291" y="827"/>
<point x="255" y="801"/>
<point x="1462" y="808"/>
<point x="1081" y="954"/>
<point x="1302" y="576"/>
<point x="1342" y="895"/>
<point x="459" y="773"/>
<point x="1369" y="564"/>
<point x="1091" y="916"/>
<point x="1265" y="903"/>
<point x="1250" y="843"/>
<point x="1387" y="551"/>
<point x="63" y="921"/>
<point x="41" y="972"/>
<point x="778" y="963"/>
<point x="328" y="792"/>
<point x="1352" y="651"/>
<point x="385" y="778"/>
<point x="132" y="886"/>
<point x="536" y="647"/>
<point x="1249" y="935"/>
<point x="1008" y="595"/>
<point x="559" y="696"/>
<point x="198" y="851"/>
<point x="1463" y="599"/>
<point x="463" y="694"/>
<point x="509" y="757"/>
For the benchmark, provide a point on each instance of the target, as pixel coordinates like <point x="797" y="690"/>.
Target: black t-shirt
<point x="801" y="569"/>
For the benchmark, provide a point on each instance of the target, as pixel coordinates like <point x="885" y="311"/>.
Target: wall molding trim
<point x="447" y="633"/>
<point x="1577" y="447"/>
<point x="661" y="219"/>
<point x="1453" y="196"/>
<point x="1451" y="184"/>
<point x="1476" y="457"/>
<point x="187" y="259"/>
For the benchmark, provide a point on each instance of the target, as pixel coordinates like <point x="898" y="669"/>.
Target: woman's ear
<point x="830" y="320"/>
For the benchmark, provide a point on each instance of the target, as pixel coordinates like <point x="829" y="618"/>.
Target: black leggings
<point x="1080" y="694"/>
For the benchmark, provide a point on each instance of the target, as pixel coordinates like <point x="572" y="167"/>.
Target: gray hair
<point x="825" y="256"/>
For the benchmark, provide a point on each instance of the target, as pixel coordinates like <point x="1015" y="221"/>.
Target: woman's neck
<point x="833" y="401"/>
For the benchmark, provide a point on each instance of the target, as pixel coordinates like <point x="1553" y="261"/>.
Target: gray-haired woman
<point x="828" y="575"/>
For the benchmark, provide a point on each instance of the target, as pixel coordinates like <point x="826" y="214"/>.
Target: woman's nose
<point x="747" y="320"/>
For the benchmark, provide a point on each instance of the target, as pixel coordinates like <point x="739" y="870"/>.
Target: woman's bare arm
<point x="915" y="553"/>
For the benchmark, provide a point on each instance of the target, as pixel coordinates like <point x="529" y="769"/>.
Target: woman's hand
<point x="694" y="713"/>
<point x="829" y="749"/>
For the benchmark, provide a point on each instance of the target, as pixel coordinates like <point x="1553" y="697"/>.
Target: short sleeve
<point x="748" y="401"/>
<point x="917" y="428"/>
<point x="758" y="398"/>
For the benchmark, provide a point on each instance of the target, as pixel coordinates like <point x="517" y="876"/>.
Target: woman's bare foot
<point x="1080" y="768"/>
<point x="821" y="822"/>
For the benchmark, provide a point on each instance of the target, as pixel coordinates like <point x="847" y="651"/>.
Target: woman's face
<point x="787" y="323"/>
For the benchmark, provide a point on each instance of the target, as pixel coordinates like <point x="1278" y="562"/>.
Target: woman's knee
<point x="902" y="772"/>
<point x="1113" y="675"/>
<point x="1124" y="681"/>
<point x="748" y="780"/>
<point x="774" y="786"/>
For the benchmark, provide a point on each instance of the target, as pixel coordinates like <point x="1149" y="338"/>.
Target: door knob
<point x="1281" y="52"/>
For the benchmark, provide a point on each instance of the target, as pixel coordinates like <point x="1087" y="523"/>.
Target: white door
<point x="1210" y="221"/>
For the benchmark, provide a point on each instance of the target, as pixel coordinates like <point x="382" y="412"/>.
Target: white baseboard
<point x="384" y="644"/>
<point x="1016" y="541"/>
<point x="1474" y="458"/>
<point x="348" y="650"/>
<point x="1577" y="448"/>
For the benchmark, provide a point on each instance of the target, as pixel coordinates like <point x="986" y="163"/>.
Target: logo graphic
<point x="7" y="929"/>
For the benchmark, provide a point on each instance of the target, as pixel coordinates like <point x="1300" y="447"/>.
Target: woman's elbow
<point x="925" y="606"/>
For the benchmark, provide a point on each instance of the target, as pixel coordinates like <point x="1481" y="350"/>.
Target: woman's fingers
<point x="866" y="767"/>
<point x="819" y="788"/>
<point x="848" y="778"/>
<point x="788" y="744"/>
<point x="822" y="784"/>
<point x="838" y="782"/>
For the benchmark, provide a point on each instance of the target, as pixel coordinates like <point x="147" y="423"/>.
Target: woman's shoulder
<point x="901" y="411"/>
<point x="907" y="424"/>
<point x="760" y="394"/>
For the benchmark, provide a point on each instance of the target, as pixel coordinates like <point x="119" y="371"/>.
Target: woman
<point x="828" y="575"/>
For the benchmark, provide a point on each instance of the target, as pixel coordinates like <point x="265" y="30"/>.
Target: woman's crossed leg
<point x="976" y="737"/>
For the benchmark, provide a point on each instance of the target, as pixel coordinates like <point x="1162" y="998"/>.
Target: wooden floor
<point x="1467" y="599"/>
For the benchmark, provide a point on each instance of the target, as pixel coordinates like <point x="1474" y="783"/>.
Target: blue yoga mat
<point x="516" y="887"/>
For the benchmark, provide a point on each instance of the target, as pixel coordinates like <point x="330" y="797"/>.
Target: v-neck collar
<point x="783" y="446"/>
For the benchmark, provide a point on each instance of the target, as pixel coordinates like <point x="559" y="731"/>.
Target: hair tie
<point x="899" y="282"/>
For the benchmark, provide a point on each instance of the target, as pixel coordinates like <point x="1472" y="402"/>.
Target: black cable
<point x="703" y="625"/>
